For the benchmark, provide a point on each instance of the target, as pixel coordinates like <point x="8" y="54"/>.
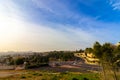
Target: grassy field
<point x="38" y="75"/>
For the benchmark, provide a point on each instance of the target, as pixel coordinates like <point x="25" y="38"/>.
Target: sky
<point x="45" y="25"/>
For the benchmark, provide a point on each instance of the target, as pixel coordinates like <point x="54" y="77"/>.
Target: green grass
<point x="38" y="75"/>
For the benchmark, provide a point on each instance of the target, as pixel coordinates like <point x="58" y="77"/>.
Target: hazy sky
<point x="44" y="25"/>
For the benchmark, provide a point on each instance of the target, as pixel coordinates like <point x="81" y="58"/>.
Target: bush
<point x="63" y="73"/>
<point x="85" y="79"/>
<point x="19" y="61"/>
<point x="22" y="77"/>
<point x="55" y="78"/>
<point x="30" y="66"/>
<point x="75" y="79"/>
<point x="37" y="74"/>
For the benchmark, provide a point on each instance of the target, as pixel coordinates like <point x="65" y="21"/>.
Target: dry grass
<point x="41" y="75"/>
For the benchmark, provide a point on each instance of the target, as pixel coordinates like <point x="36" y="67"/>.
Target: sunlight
<point x="10" y="29"/>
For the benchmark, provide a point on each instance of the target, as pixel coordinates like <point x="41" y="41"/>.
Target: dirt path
<point x="8" y="73"/>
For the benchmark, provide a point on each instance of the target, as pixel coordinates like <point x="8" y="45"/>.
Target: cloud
<point x="85" y="30"/>
<point x="17" y="34"/>
<point x="23" y="35"/>
<point x="58" y="7"/>
<point x="45" y="38"/>
<point x="115" y="4"/>
<point x="40" y="4"/>
<point x="55" y="10"/>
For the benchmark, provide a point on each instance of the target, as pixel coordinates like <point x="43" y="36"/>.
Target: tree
<point x="105" y="53"/>
<point x="97" y="50"/>
<point x="19" y="61"/>
<point x="88" y="50"/>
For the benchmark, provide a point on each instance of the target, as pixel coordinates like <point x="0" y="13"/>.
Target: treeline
<point x="38" y="59"/>
<point x="61" y="56"/>
<point x="109" y="56"/>
<point x="106" y="53"/>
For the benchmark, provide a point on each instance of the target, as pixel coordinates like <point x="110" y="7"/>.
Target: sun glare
<point x="10" y="29"/>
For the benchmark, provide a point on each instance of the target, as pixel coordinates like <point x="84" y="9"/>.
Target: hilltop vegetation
<point x="36" y="60"/>
<point x="109" y="56"/>
<point x="107" y="53"/>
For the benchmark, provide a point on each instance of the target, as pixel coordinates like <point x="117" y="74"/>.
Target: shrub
<point x="55" y="78"/>
<point x="75" y="79"/>
<point x="22" y="77"/>
<point x="85" y="79"/>
<point x="19" y="61"/>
